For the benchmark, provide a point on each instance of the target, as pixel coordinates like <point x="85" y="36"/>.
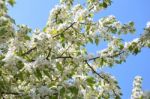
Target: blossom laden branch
<point x="65" y="29"/>
<point x="98" y="74"/>
<point x="107" y="56"/>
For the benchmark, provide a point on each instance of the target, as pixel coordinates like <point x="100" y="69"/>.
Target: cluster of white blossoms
<point x="58" y="13"/>
<point x="97" y="5"/>
<point x="137" y="92"/>
<point x="54" y="63"/>
<point x="41" y="39"/>
<point x="10" y="60"/>
<point x="80" y="14"/>
<point x="67" y="2"/>
<point x="146" y="35"/>
<point x="2" y="3"/>
<point x="148" y="25"/>
<point x="40" y="63"/>
<point x="110" y="24"/>
<point x="41" y="92"/>
<point x="111" y="83"/>
<point x="5" y="34"/>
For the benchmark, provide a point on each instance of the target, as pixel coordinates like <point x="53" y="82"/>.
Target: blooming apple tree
<point x="54" y="63"/>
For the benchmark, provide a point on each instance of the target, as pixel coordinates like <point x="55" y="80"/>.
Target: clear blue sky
<point x="34" y="13"/>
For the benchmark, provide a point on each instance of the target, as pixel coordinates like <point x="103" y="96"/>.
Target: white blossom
<point x="40" y="63"/>
<point x="80" y="15"/>
<point x="136" y="40"/>
<point x="137" y="92"/>
<point x="148" y="25"/>
<point x="43" y="91"/>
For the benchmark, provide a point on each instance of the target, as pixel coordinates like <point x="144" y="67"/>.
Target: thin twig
<point x="65" y="29"/>
<point x="49" y="53"/>
<point x="11" y="93"/>
<point x="65" y="57"/>
<point x="29" y="51"/>
<point x="111" y="56"/>
<point x="94" y="71"/>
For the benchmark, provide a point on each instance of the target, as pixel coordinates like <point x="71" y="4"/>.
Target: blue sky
<point x="34" y="13"/>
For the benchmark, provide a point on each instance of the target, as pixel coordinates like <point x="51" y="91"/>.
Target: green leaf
<point x="38" y="73"/>
<point x="62" y="92"/>
<point x="105" y="5"/>
<point x="90" y="81"/>
<point x="54" y="31"/>
<point x="91" y="15"/>
<point x="59" y="67"/>
<point x="113" y="30"/>
<point x="27" y="37"/>
<point x="2" y="63"/>
<point x="130" y="48"/>
<point x="53" y="97"/>
<point x="27" y="97"/>
<point x="90" y="39"/>
<point x="74" y="90"/>
<point x="21" y="76"/>
<point x="47" y="73"/>
<point x="63" y="44"/>
<point x="97" y="41"/>
<point x="117" y="97"/>
<point x="121" y="46"/>
<point x="131" y="24"/>
<point x="44" y="29"/>
<point x="11" y="2"/>
<point x="87" y="27"/>
<point x="100" y="97"/>
<point x="20" y="65"/>
<point x="136" y="51"/>
<point x="2" y="31"/>
<point x="108" y="2"/>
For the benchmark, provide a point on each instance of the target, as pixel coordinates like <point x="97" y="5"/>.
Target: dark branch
<point x="65" y="29"/>
<point x="111" y="56"/>
<point x="64" y="57"/>
<point x="29" y="51"/>
<point x="94" y="71"/>
<point x="49" y="53"/>
<point x="11" y="93"/>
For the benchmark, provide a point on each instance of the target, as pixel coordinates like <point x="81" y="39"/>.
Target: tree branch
<point x="49" y="53"/>
<point x="65" y="57"/>
<point x="94" y="71"/>
<point x="111" y="56"/>
<point x="11" y="93"/>
<point x="29" y="51"/>
<point x="65" y="29"/>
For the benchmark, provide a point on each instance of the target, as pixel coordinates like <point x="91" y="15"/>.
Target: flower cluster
<point x="79" y="13"/>
<point x="98" y="5"/>
<point x="6" y="29"/>
<point x="58" y="14"/>
<point x="67" y="2"/>
<point x="41" y="92"/>
<point x="137" y="92"/>
<point x="146" y="35"/>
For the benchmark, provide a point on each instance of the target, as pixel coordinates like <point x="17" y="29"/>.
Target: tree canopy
<point x="53" y="63"/>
